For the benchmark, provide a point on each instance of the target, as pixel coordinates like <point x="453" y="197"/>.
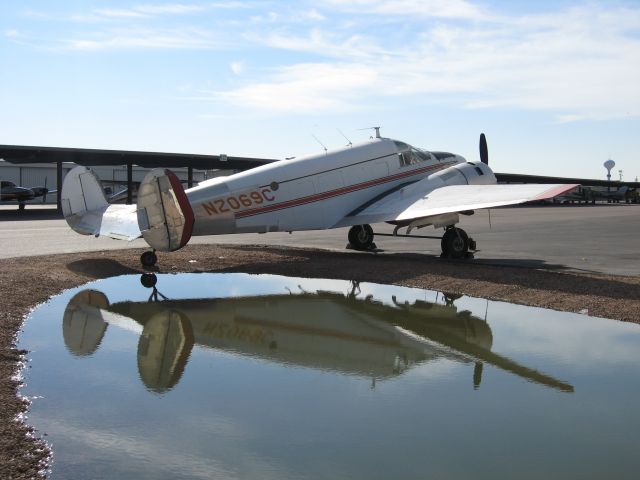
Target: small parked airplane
<point x="380" y="180"/>
<point x="9" y="192"/>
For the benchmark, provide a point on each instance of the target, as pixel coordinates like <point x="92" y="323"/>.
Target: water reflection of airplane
<point x="321" y="330"/>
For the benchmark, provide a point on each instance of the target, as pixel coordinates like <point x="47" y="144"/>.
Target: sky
<point x="555" y="85"/>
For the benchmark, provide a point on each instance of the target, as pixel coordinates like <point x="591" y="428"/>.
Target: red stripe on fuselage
<point x="337" y="192"/>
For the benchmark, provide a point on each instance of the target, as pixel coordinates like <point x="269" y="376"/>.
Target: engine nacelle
<point x="466" y="174"/>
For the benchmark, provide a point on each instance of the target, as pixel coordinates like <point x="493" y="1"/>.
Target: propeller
<point x="46" y="190"/>
<point x="484" y="152"/>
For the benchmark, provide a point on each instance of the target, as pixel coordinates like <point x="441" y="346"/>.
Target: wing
<point x="410" y="203"/>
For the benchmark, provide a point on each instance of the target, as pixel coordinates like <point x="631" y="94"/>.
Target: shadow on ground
<point x="100" y="268"/>
<point x="30" y="214"/>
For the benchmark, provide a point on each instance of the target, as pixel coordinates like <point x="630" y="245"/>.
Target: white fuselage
<point x="318" y="191"/>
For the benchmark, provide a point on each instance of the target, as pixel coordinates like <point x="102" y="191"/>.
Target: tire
<point x="21" y="206"/>
<point x="148" y="280"/>
<point x="148" y="259"/>
<point x="455" y="243"/>
<point x="361" y="237"/>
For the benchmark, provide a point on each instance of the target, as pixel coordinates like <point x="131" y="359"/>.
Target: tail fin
<point x="87" y="211"/>
<point x="164" y="213"/>
<point x="81" y="193"/>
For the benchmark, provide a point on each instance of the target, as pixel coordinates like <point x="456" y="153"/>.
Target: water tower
<point x="609" y="164"/>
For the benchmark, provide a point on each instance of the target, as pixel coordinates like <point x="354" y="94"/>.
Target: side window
<point x="405" y="158"/>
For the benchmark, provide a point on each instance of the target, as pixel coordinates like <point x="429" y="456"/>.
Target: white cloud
<point x="578" y="63"/>
<point x="237" y="67"/>
<point x="118" y="13"/>
<point x="148" y="11"/>
<point x="422" y="8"/>
<point x="312" y="14"/>
<point x="11" y="33"/>
<point x="305" y="87"/>
<point x="184" y="38"/>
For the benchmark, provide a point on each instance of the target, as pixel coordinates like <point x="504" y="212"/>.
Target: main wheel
<point x="148" y="258"/>
<point x="21" y="206"/>
<point x="455" y="243"/>
<point x="361" y="237"/>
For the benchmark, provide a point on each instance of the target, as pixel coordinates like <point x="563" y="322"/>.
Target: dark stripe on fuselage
<point x="339" y="191"/>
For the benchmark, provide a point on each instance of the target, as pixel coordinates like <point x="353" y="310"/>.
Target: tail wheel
<point x="455" y="243"/>
<point x="148" y="258"/>
<point x="361" y="237"/>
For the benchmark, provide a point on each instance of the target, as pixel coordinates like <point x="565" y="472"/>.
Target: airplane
<point x="9" y="192"/>
<point x="328" y="331"/>
<point x="379" y="180"/>
<point x="614" y="196"/>
<point x="593" y="194"/>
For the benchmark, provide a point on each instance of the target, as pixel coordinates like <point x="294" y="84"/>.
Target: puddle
<point x="261" y="376"/>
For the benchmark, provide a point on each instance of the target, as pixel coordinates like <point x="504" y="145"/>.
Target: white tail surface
<point x="87" y="211"/>
<point x="165" y="217"/>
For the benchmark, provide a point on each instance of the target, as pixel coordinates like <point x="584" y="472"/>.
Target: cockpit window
<point x="442" y="155"/>
<point x="409" y="155"/>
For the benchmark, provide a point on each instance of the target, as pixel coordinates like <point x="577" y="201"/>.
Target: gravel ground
<point x="26" y="282"/>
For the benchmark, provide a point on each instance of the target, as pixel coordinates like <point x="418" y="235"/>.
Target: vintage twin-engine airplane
<point x="10" y="192"/>
<point x="380" y="180"/>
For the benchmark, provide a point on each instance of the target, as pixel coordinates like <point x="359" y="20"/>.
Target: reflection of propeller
<point x="484" y="151"/>
<point x="82" y="325"/>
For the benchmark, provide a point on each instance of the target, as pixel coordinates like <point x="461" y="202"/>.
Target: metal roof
<point x="93" y="157"/>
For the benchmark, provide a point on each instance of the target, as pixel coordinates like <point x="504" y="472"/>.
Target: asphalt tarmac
<point x="600" y="238"/>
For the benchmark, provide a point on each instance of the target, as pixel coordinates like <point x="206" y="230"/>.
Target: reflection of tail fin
<point x="82" y="325"/>
<point x="163" y="350"/>
<point x="87" y="211"/>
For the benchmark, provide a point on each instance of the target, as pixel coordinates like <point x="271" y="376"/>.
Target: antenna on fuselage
<point x="345" y="137"/>
<point x="321" y="144"/>
<point x="377" y="129"/>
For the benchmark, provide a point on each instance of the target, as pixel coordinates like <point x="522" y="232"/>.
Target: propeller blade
<point x="484" y="152"/>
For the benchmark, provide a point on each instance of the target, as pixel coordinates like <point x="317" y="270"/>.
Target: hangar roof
<point x="587" y="182"/>
<point x="94" y="157"/>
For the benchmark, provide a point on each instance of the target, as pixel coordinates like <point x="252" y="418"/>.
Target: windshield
<point x="409" y="155"/>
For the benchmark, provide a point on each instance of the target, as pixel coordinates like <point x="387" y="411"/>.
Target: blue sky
<point x="554" y="85"/>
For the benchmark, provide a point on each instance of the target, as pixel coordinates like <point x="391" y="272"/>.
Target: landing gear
<point x="456" y="243"/>
<point x="361" y="237"/>
<point x="148" y="258"/>
<point x="21" y="206"/>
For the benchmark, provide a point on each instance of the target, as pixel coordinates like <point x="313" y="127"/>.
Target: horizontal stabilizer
<point x="87" y="211"/>
<point x="164" y="213"/>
